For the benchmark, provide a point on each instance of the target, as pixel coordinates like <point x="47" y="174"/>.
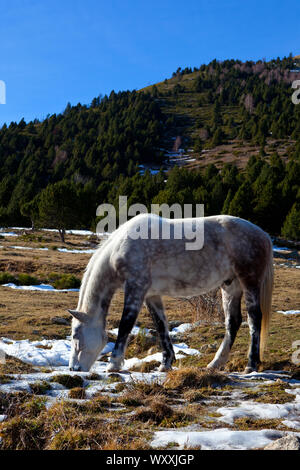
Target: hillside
<point x="250" y="103"/>
<point x="232" y="123"/>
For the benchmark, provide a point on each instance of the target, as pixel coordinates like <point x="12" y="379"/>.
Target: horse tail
<point x="266" y="298"/>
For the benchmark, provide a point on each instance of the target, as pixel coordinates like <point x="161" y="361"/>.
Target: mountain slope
<point x="248" y="104"/>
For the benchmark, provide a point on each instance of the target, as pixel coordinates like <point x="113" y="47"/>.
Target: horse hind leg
<point x="155" y="306"/>
<point x="252" y="300"/>
<point x="231" y="299"/>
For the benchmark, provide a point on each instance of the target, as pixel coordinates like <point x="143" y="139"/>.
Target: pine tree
<point x="291" y="226"/>
<point x="241" y="204"/>
<point x="58" y="207"/>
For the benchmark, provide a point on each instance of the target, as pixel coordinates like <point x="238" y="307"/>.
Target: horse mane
<point x="86" y="274"/>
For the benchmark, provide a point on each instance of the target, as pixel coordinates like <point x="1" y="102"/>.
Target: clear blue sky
<point x="58" y="51"/>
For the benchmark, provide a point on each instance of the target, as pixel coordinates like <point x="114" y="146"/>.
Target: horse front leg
<point x="134" y="297"/>
<point x="231" y="299"/>
<point x="156" y="309"/>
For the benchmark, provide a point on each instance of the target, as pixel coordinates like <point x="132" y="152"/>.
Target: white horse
<point x="237" y="256"/>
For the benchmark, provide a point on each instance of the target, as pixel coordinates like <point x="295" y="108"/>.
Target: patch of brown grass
<point x="146" y="388"/>
<point x="40" y="387"/>
<point x="15" y="366"/>
<point x="191" y="377"/>
<point x="131" y="399"/>
<point x="236" y="364"/>
<point x="245" y="424"/>
<point x="140" y="344"/>
<point x="272" y="393"/>
<point x="68" y="381"/>
<point x="69" y="426"/>
<point x="4" y="378"/>
<point x="156" y="411"/>
<point x="93" y="376"/>
<point x="145" y="367"/>
<point x="77" y="392"/>
<point x="198" y="394"/>
<point x="21" y="433"/>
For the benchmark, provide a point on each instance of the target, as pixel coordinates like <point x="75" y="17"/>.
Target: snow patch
<point x="8" y="234"/>
<point x="289" y="312"/>
<point x="218" y="439"/>
<point x="258" y="411"/>
<point x="136" y="330"/>
<point x="40" y="288"/>
<point x="183" y="328"/>
<point x="181" y="350"/>
<point x="281" y="248"/>
<point x="65" y="250"/>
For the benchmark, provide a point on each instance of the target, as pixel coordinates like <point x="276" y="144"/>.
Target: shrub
<point x="6" y="278"/>
<point x="22" y="279"/>
<point x="291" y="226"/>
<point x="64" y="281"/>
<point x="27" y="280"/>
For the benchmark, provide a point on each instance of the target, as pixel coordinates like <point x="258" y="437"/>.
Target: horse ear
<point x="81" y="316"/>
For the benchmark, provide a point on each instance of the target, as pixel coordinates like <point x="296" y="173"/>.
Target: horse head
<point x="88" y="340"/>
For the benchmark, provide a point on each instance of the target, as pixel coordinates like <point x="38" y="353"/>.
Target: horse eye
<point x="76" y="336"/>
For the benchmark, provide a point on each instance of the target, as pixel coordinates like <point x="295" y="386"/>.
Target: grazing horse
<point x="236" y="256"/>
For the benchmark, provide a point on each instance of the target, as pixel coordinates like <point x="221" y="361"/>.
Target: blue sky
<point x="58" y="51"/>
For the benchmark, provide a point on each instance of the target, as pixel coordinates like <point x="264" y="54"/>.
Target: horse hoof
<point x="248" y="370"/>
<point x="112" y="368"/>
<point x="164" y="368"/>
<point x="212" y="366"/>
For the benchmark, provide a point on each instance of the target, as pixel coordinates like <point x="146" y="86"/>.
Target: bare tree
<point x="177" y="144"/>
<point x="249" y="103"/>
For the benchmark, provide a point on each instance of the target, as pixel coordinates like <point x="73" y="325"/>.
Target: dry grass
<point x="68" y="381"/>
<point x="78" y="393"/>
<point x="67" y="426"/>
<point x="156" y="411"/>
<point x="197" y="394"/>
<point x="145" y="366"/>
<point x="192" y="377"/>
<point x="131" y="398"/>
<point x="273" y="393"/>
<point x="246" y="424"/>
<point x="40" y="387"/>
<point x="15" y="366"/>
<point x="4" y="379"/>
